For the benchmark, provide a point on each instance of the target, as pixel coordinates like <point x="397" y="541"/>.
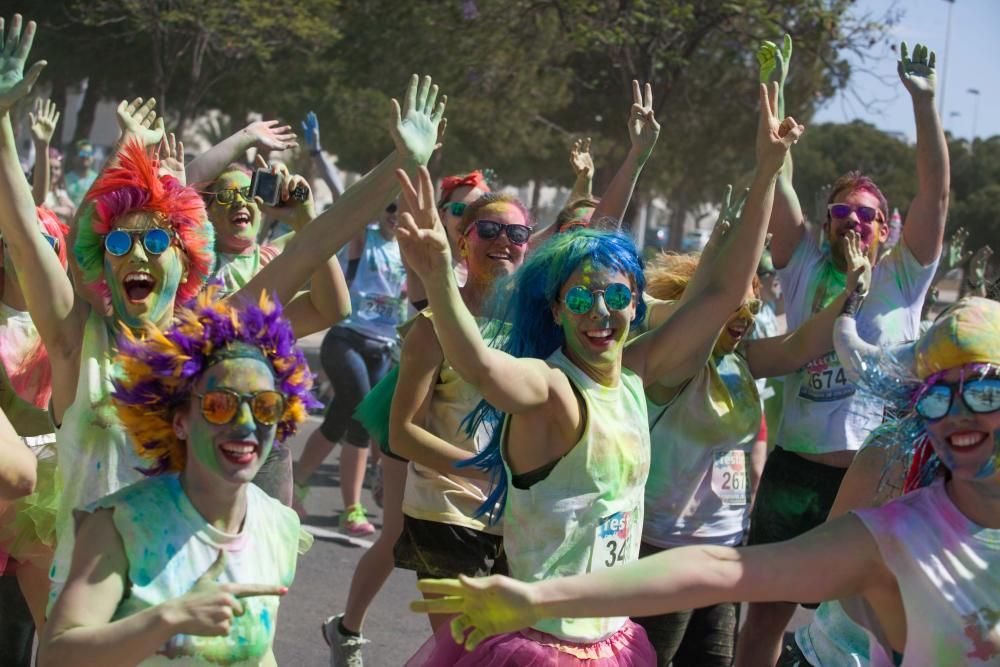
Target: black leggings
<point x="354" y="363"/>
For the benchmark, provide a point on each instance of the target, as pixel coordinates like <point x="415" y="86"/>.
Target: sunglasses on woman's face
<point x="229" y="195"/>
<point x="580" y="300"/>
<point x="155" y="240"/>
<point x="489" y="230"/>
<point x="866" y="214"/>
<point x="980" y="396"/>
<point x="752" y="306"/>
<point x="456" y="208"/>
<point x="220" y="406"/>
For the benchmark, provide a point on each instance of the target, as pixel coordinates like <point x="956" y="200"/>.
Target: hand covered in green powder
<point x="978" y="264"/>
<point x="414" y="128"/>
<point x="486" y="606"/>
<point x="957" y="254"/>
<point x="774" y="61"/>
<point x="209" y="607"/>
<point x="421" y="236"/>
<point x="14" y="49"/>
<point x="918" y="72"/>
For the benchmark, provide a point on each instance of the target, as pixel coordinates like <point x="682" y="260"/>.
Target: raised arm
<point x="923" y="232"/>
<point x="675" y="350"/>
<point x="53" y="305"/>
<point x="419" y="367"/>
<point x="673" y="580"/>
<point x="781" y="355"/>
<point x="43" y="119"/>
<point x="787" y="223"/>
<point x="643" y="131"/>
<point x="18" y="466"/>
<point x="583" y="166"/>
<point x="414" y="131"/>
<point x="330" y="176"/>
<point x="265" y="135"/>
<point x="512" y="385"/>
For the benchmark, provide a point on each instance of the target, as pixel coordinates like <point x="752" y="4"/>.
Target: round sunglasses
<point x="456" y="208"/>
<point x="866" y="214"/>
<point x="979" y="396"/>
<point x="155" y="240"/>
<point x="580" y="300"/>
<point x="489" y="230"/>
<point x="220" y="406"/>
<point x="229" y="195"/>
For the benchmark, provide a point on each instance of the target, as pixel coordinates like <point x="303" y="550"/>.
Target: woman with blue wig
<point x="563" y="394"/>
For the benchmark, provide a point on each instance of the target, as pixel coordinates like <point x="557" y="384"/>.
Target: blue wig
<point x="524" y="300"/>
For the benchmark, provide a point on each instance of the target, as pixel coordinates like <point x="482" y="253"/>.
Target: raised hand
<point x="290" y="209"/>
<point x="774" y="138"/>
<point x="421" y="236"/>
<point x="268" y="135"/>
<point x="171" y="157"/>
<point x="729" y="214"/>
<point x="643" y="130"/>
<point x="414" y="128"/>
<point x="43" y="119"/>
<point x="310" y="130"/>
<point x="774" y="60"/>
<point x="137" y="119"/>
<point x="859" y="267"/>
<point x="14" y="50"/>
<point x="957" y="255"/>
<point x="978" y="264"/>
<point x="486" y="607"/>
<point x="580" y="158"/>
<point x="917" y="72"/>
<point x="209" y="607"/>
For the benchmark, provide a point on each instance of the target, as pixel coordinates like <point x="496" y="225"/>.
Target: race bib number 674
<point x="823" y="379"/>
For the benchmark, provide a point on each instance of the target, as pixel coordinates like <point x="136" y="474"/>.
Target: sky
<point x="972" y="62"/>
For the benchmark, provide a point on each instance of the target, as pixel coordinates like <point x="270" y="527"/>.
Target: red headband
<point x="474" y="180"/>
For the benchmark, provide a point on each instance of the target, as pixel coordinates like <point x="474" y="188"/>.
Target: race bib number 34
<point x="614" y="541"/>
<point x="729" y="477"/>
<point x="823" y="379"/>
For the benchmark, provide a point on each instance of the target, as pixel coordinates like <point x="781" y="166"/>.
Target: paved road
<point x="324" y="576"/>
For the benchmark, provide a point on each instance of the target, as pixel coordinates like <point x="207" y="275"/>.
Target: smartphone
<point x="265" y="185"/>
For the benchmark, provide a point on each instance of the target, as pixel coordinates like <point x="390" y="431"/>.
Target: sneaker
<point x="354" y="521"/>
<point x="378" y="490"/>
<point x="345" y="651"/>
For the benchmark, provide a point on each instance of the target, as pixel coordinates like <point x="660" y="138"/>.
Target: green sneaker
<point x="354" y="521"/>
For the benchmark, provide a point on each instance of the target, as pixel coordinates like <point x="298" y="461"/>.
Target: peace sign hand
<point x="209" y="607"/>
<point x="421" y="236"/>
<point x="643" y="130"/>
<point x="774" y="139"/>
<point x="14" y="49"/>
<point x="918" y="72"/>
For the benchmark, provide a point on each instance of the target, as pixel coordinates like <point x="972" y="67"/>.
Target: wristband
<point x="853" y="303"/>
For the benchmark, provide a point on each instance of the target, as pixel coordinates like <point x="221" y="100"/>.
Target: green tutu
<point x="373" y="411"/>
<point x="28" y="525"/>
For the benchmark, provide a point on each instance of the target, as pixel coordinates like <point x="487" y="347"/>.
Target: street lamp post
<point x="975" y="112"/>
<point x="944" y="70"/>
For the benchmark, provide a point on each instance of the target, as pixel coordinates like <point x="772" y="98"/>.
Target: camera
<point x="267" y="186"/>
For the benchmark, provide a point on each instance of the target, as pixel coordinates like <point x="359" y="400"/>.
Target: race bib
<point x="823" y="379"/>
<point x="729" y="477"/>
<point x="614" y="541"/>
<point x="379" y="307"/>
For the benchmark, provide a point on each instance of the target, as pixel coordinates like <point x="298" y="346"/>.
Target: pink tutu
<point x="628" y="647"/>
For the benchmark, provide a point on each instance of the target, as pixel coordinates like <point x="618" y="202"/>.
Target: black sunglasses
<point x="490" y="229"/>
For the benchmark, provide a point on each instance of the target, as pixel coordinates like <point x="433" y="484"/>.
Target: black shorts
<point x="442" y="551"/>
<point x="795" y="496"/>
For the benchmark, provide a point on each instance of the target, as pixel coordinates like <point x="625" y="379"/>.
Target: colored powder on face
<point x="989" y="467"/>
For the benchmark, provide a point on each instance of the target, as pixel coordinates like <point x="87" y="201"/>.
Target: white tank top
<point x="698" y="488"/>
<point x="587" y="514"/>
<point x="169" y="545"/>
<point x="451" y="499"/>
<point x="96" y="456"/>
<point x="948" y="570"/>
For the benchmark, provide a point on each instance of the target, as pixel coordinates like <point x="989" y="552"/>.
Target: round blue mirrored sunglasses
<point x="580" y="300"/>
<point x="119" y="241"/>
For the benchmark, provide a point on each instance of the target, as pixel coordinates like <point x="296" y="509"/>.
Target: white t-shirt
<point x="822" y="410"/>
<point x="948" y="570"/>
